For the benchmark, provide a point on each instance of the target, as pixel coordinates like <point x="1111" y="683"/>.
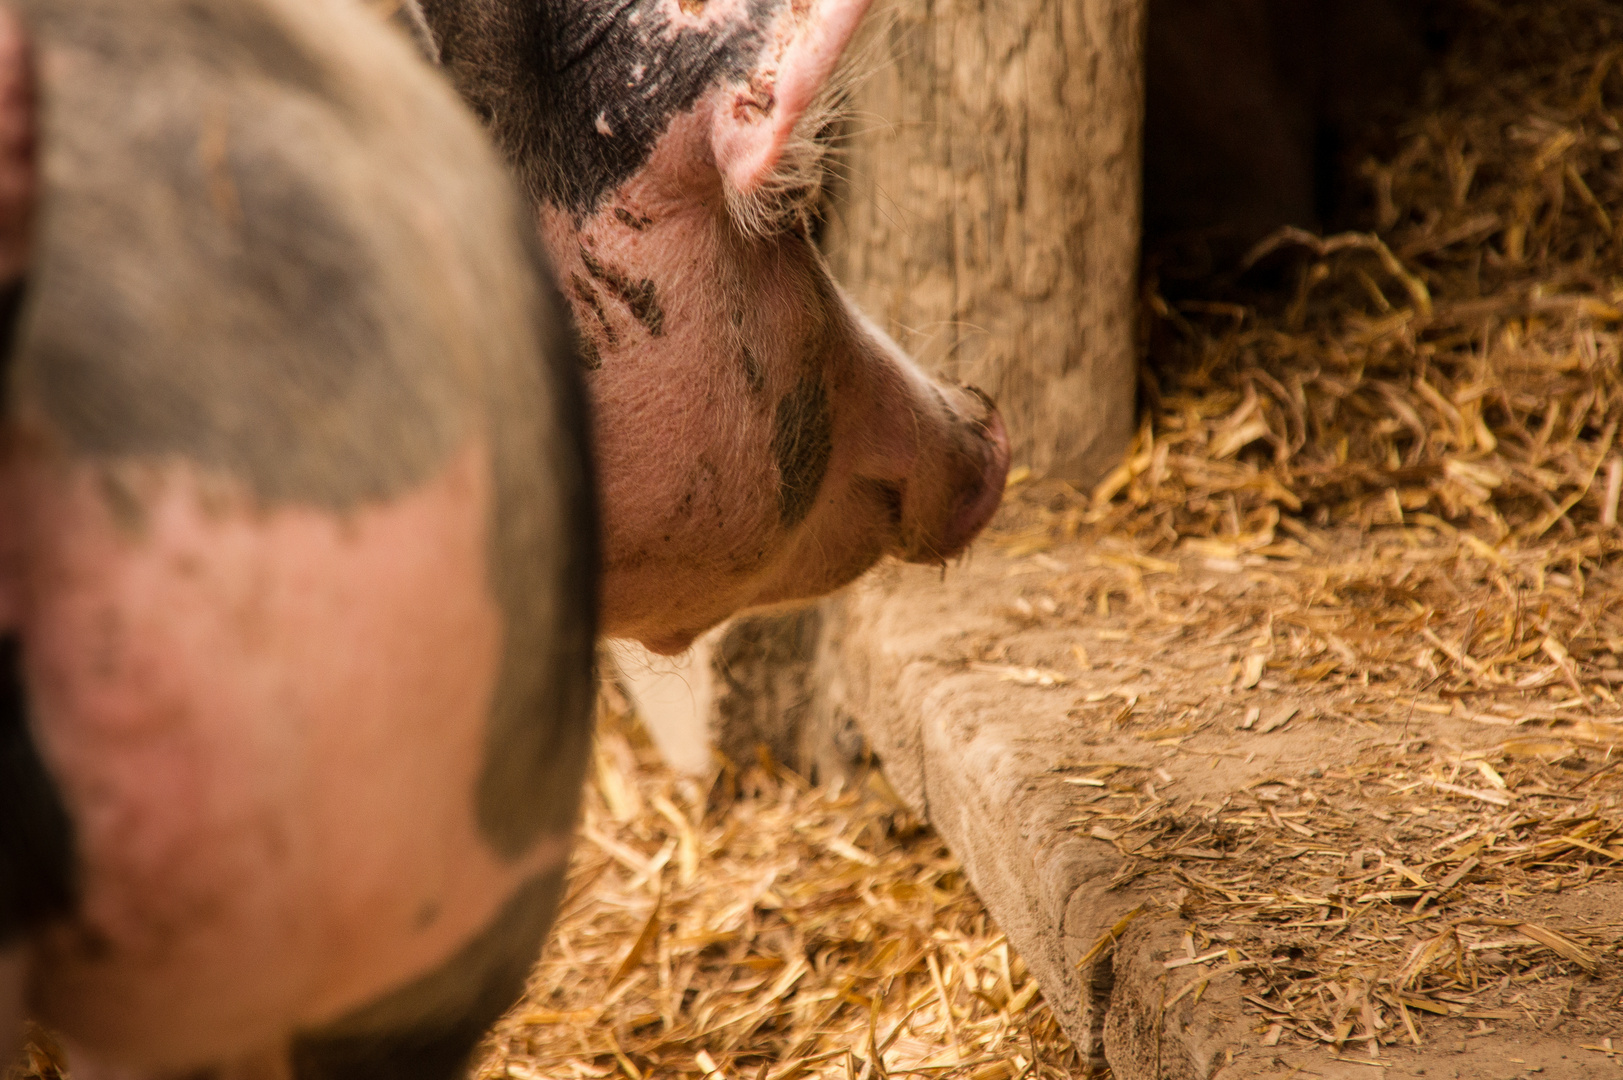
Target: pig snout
<point x="958" y="485"/>
<point x="938" y="452"/>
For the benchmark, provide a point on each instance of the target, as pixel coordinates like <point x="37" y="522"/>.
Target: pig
<point x="29" y="885"/>
<point x="759" y="440"/>
<point x="297" y="551"/>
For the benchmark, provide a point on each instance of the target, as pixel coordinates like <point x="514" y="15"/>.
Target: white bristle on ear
<point x="785" y="199"/>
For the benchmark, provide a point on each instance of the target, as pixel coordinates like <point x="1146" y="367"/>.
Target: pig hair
<point x="787" y="199"/>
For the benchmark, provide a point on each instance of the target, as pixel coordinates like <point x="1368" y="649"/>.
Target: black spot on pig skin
<point x="642" y="297"/>
<point x="802" y="443"/>
<point x="335" y="411"/>
<point x="754" y="373"/>
<point x="429" y="1029"/>
<point x="37" y="868"/>
<point x="543" y="73"/>
<point x="590" y="358"/>
<point x="588" y="296"/>
<point x="630" y="220"/>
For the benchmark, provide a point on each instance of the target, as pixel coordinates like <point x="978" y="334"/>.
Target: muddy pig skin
<point x="758" y="439"/>
<point x="297" y="554"/>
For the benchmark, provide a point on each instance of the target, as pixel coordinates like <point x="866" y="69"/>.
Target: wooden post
<point x="990" y="205"/>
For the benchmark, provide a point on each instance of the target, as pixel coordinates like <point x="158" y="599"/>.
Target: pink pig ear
<point x="756" y="120"/>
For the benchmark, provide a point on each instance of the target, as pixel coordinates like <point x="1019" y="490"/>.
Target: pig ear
<point x="757" y="119"/>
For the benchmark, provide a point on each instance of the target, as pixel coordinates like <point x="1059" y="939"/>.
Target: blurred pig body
<point x="759" y="440"/>
<point x="22" y="899"/>
<point x="296" y="555"/>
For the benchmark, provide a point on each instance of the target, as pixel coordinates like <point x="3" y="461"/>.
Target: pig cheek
<point x="221" y="747"/>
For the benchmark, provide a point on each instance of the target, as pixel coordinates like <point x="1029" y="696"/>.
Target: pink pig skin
<point x="183" y="676"/>
<point x="692" y="536"/>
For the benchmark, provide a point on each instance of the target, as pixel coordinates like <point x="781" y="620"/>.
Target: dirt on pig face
<point x="759" y="440"/>
<point x="296" y="549"/>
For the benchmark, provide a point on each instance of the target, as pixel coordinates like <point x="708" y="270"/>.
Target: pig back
<point x="300" y="552"/>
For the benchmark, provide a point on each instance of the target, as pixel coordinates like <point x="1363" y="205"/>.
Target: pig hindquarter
<point x="296" y="549"/>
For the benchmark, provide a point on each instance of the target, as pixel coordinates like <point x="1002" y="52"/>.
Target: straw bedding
<point x="765" y="929"/>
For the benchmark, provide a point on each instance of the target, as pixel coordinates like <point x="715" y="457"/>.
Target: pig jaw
<point x="759" y="441"/>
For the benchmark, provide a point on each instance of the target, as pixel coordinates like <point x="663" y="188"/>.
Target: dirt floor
<point x="1387" y="810"/>
<point x="1373" y="514"/>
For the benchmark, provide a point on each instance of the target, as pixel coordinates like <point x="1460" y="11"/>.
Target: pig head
<point x="758" y="439"/>
<point x="296" y="554"/>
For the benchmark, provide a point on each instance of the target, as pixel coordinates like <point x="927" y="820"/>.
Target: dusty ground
<point x="1405" y="830"/>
